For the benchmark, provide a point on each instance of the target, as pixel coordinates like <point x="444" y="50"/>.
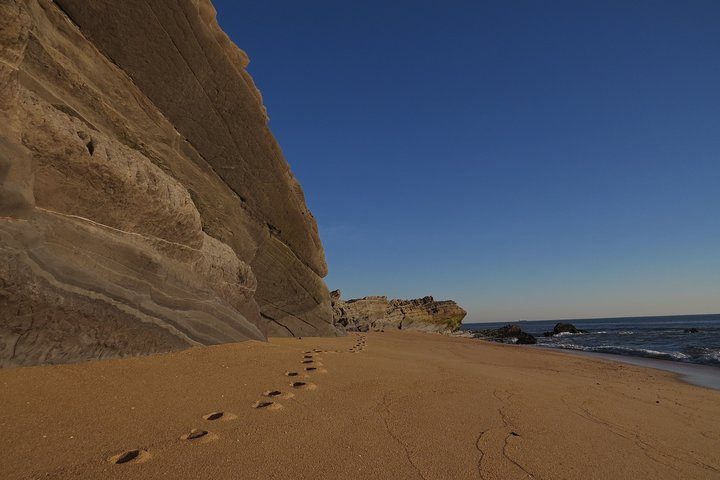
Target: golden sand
<point x="380" y="405"/>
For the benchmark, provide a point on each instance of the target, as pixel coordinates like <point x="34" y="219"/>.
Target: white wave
<point x="566" y="334"/>
<point x="710" y="354"/>
<point x="617" y="349"/>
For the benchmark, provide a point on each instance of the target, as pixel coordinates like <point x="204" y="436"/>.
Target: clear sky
<point x="527" y="159"/>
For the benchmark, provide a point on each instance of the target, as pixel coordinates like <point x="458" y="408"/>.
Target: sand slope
<point x="382" y="405"/>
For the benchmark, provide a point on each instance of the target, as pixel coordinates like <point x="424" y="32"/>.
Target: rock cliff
<point x="144" y="204"/>
<point x="378" y="313"/>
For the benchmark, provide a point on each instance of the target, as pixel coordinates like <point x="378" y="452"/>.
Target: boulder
<point x="562" y="327"/>
<point x="507" y="334"/>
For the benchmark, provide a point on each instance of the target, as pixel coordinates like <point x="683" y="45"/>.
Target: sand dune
<point x="379" y="405"/>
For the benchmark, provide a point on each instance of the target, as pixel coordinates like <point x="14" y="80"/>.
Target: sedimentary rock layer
<point x="144" y="204"/>
<point x="378" y="313"/>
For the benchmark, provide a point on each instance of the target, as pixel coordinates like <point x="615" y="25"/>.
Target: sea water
<point x="664" y="338"/>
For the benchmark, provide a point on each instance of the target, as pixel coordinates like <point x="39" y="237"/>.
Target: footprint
<point x="215" y="416"/>
<point x="130" y="456"/>
<point x="304" y="385"/>
<point x="194" y="434"/>
<point x="267" y="405"/>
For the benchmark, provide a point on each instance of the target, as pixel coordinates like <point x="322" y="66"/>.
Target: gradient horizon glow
<point x="527" y="159"/>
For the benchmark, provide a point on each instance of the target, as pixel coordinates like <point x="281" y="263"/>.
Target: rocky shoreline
<point x="378" y="313"/>
<point x="512" y="333"/>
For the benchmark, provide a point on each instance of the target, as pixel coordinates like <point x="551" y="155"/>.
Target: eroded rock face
<point x="144" y="204"/>
<point x="379" y="313"/>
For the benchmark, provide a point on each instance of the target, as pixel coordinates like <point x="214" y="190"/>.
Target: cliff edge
<point x="144" y="204"/>
<point x="378" y="313"/>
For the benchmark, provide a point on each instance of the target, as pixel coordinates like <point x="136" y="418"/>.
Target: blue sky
<point x="527" y="159"/>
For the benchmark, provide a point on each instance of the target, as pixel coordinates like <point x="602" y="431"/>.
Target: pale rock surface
<point x="144" y="204"/>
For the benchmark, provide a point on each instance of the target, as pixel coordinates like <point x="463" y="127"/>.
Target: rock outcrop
<point x="379" y="313"/>
<point x="144" y="204"/>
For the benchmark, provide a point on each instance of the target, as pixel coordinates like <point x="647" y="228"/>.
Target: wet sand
<point x="701" y="375"/>
<point x="380" y="405"/>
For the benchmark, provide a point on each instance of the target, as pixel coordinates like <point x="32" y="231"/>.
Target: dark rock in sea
<point x="562" y="327"/>
<point x="692" y="330"/>
<point x="507" y="333"/>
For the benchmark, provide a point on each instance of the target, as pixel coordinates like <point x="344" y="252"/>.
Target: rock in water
<point x="562" y="327"/>
<point x="508" y="333"/>
<point x="378" y="313"/>
<point x="144" y="204"/>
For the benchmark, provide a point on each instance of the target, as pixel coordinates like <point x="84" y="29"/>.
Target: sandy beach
<point x="167" y="307"/>
<point x="378" y="405"/>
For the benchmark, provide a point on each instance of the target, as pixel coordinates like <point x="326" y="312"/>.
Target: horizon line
<point x="598" y="318"/>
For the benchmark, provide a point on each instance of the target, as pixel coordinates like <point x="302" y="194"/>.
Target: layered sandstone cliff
<point x="378" y="313"/>
<point x="144" y="204"/>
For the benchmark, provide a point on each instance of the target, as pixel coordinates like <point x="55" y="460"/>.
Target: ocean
<point x="663" y="338"/>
